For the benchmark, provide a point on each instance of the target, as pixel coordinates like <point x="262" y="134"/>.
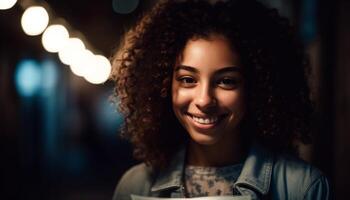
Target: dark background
<point x="63" y="142"/>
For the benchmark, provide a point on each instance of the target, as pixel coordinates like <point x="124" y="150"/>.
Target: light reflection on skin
<point x="208" y="99"/>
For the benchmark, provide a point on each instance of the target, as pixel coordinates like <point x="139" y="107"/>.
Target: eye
<point x="228" y="83"/>
<point x="186" y="81"/>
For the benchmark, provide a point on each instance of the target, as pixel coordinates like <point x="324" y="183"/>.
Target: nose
<point x="205" y="99"/>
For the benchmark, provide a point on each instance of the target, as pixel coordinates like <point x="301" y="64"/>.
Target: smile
<point x="204" y="123"/>
<point x="209" y="120"/>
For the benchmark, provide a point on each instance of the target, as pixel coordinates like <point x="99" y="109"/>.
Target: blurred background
<point x="59" y="129"/>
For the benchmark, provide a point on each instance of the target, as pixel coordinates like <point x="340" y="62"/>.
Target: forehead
<point x="210" y="53"/>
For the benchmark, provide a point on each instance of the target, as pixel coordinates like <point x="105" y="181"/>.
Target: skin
<point x="208" y="84"/>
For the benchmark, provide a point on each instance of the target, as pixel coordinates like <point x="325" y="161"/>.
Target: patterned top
<point x="211" y="181"/>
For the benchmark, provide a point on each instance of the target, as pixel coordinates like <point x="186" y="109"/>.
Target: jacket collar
<point x="171" y="177"/>
<point x="256" y="172"/>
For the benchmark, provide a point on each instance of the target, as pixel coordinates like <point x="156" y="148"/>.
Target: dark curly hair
<point x="278" y="105"/>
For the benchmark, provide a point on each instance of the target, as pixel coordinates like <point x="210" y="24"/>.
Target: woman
<point x="215" y="100"/>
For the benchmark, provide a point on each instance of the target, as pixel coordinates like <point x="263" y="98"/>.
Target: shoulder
<point x="291" y="165"/>
<point x="137" y="180"/>
<point x="295" y="178"/>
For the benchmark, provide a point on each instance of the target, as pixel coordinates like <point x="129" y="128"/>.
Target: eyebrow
<point x="222" y="70"/>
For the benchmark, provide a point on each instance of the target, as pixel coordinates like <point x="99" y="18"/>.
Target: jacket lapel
<point x="257" y="171"/>
<point x="256" y="174"/>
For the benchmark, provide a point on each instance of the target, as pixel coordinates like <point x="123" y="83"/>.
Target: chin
<point x="203" y="139"/>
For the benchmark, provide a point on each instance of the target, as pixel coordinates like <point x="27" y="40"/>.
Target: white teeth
<point x="209" y="120"/>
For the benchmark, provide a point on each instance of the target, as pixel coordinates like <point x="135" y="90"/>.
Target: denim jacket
<point x="264" y="176"/>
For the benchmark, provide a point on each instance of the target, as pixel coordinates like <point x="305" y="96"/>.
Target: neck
<point x="226" y="152"/>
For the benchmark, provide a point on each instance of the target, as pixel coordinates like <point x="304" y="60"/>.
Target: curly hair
<point x="278" y="105"/>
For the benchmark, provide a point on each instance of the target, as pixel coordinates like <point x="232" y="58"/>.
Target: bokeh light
<point x="7" y="4"/>
<point x="124" y="6"/>
<point x="54" y="37"/>
<point x="100" y="71"/>
<point x="28" y="78"/>
<point x="82" y="62"/>
<point x="71" y="48"/>
<point x="34" y="20"/>
<point x="49" y="75"/>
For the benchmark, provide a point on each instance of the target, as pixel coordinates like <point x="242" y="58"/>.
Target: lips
<point x="203" y="123"/>
<point x="205" y="120"/>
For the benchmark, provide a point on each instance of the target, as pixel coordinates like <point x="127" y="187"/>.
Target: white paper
<point x="136" y="197"/>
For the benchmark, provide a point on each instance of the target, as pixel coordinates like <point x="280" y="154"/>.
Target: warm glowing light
<point x="34" y="20"/>
<point x="71" y="48"/>
<point x="7" y="4"/>
<point x="54" y="37"/>
<point x="100" y="71"/>
<point x="82" y="62"/>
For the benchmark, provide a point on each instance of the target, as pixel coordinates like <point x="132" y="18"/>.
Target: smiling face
<point x="207" y="91"/>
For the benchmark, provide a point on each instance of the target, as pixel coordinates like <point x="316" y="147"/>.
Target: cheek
<point x="232" y="100"/>
<point x="181" y="98"/>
